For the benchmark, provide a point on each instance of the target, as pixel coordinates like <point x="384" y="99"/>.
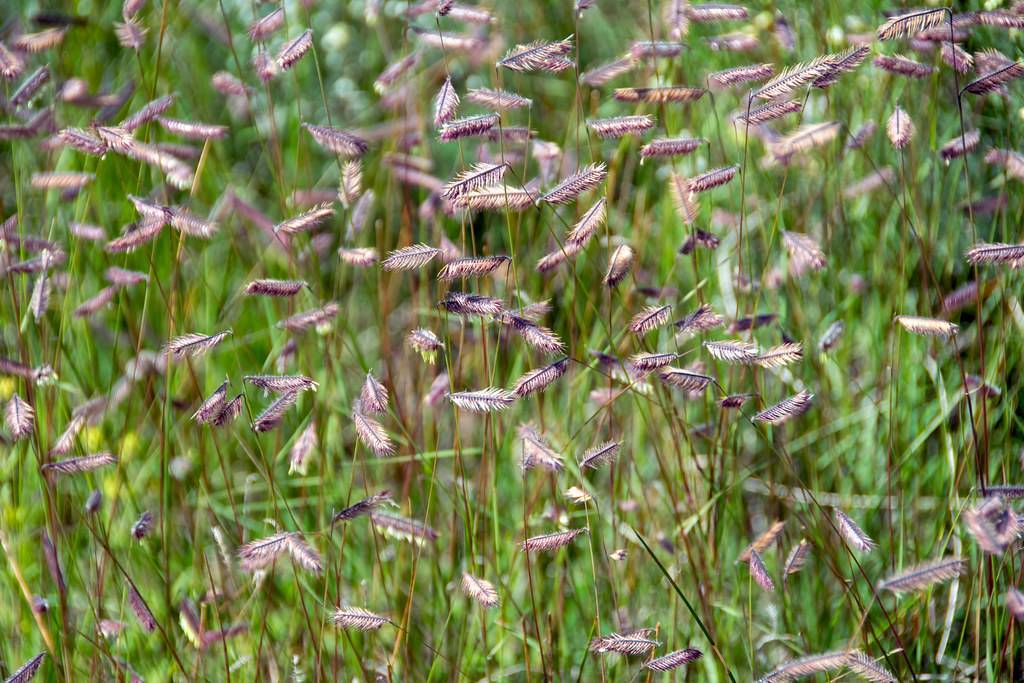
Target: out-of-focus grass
<point x="888" y="438"/>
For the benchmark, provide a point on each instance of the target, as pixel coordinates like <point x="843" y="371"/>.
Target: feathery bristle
<point x="842" y="63"/>
<point x="538" y="56"/>
<point x="599" y="455"/>
<point x="932" y="327"/>
<point x="395" y="71"/>
<point x="803" y="139"/>
<point x="786" y="410"/>
<point x="1010" y="254"/>
<point x="796" y="559"/>
<point x="363" y="507"/>
<point x="741" y="74"/>
<point x="768" y="112"/>
<point x="619" y="263"/>
<point x="903" y="66"/>
<point x="780" y="355"/>
<point x="263" y="27"/>
<point x="274" y="287"/>
<point x="311" y="318"/>
<point x="684" y="200"/>
<point x="372" y="434"/>
<point x="867" y="668"/>
<point x="687" y="380"/>
<point x="905" y="25"/>
<point x="281" y="384"/>
<point x="425" y="342"/>
<point x="712" y="179"/>
<point x="670" y="147"/>
<point x="303" y="554"/>
<point x="632" y="643"/>
<point x="956" y="57"/>
<point x="792" y="78"/>
<point x="294" y="50"/>
<point x="731" y="351"/>
<point x="572" y="187"/>
<point x="552" y="541"/>
<point x="674" y="660"/>
<point x="479" y="590"/>
<point x="993" y="525"/>
<point x="994" y="80"/>
<point x="804" y="253"/>
<point x="350" y="189"/>
<point x="480" y="175"/>
<point x="662" y="95"/>
<point x="85" y="463"/>
<point x="410" y="258"/>
<point x="497" y="198"/>
<point x="262" y="553"/>
<point x="61" y="181"/>
<point x="806" y="666"/>
<point x="702" y="319"/>
<point x="357" y="618"/>
<point x="130" y="34"/>
<point x="959" y="146"/>
<point x="853" y="534"/>
<point x="714" y="11"/>
<point x="540" y="379"/>
<point x="648" y="49"/>
<point x="305" y="221"/>
<point x="142" y="612"/>
<point x="40" y="41"/>
<point x="535" y="335"/>
<point x="374" y="396"/>
<point x="192" y="130"/>
<point x="359" y="256"/>
<point x="472" y="126"/>
<point x="536" y="451"/>
<point x="759" y="572"/>
<point x="899" y="128"/>
<point x="588" y="224"/>
<point x="733" y="401"/>
<point x="298" y="456"/>
<point x="20" y="417"/>
<point x="148" y="112"/>
<point x="960" y="297"/>
<point x="924" y="576"/>
<point x="471" y="267"/>
<point x="271" y="417"/>
<point x="486" y="400"/>
<point x="460" y="303"/>
<point x="336" y="140"/>
<point x="649" y="319"/>
<point x="28" y="670"/>
<point x="411" y="530"/>
<point x="1002" y="18"/>
<point x="648" y="362"/>
<point x="11" y="64"/>
<point x="604" y="73"/>
<point x="619" y="126"/>
<point x="212" y="406"/>
<point x="498" y="100"/>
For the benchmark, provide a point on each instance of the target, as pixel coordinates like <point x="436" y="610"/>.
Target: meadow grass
<point x="908" y="423"/>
